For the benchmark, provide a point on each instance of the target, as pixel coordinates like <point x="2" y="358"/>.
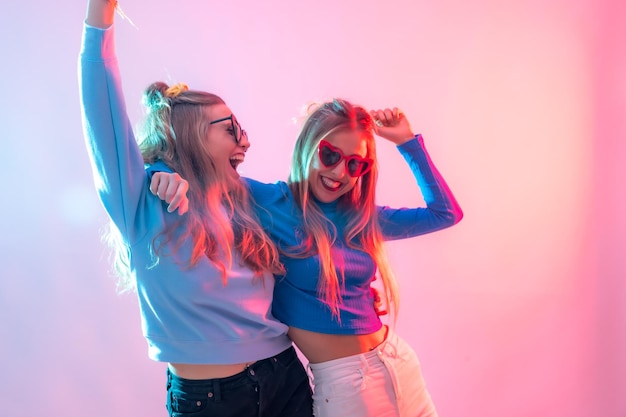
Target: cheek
<point x="205" y="147"/>
<point x="316" y="165"/>
<point x="208" y="144"/>
<point x="315" y="168"/>
<point x="219" y="148"/>
<point x="350" y="185"/>
<point x="213" y="153"/>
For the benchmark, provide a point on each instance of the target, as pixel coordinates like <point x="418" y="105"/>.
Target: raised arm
<point x="442" y="209"/>
<point x="117" y="163"/>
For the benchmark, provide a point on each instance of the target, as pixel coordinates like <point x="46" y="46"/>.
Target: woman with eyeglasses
<point x="331" y="234"/>
<point x="204" y="282"/>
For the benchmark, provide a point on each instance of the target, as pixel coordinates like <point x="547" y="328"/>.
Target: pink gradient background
<point x="518" y="311"/>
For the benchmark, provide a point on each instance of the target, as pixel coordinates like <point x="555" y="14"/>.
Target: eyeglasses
<point x="236" y="129"/>
<point x="331" y="156"/>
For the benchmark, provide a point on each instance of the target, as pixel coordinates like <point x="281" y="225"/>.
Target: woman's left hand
<point x="392" y="124"/>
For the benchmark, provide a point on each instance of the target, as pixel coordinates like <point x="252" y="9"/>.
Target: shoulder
<point x="267" y="192"/>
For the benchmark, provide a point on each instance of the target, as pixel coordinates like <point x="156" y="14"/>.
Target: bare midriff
<point x="192" y="371"/>
<point x="322" y="347"/>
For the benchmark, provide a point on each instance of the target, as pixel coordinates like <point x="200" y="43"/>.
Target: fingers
<point x="161" y="183"/>
<point x="392" y="124"/>
<point x="184" y="207"/>
<point x="174" y="185"/>
<point x="378" y="302"/>
<point x="176" y="194"/>
<point x="387" y="117"/>
<point x="157" y="177"/>
<point x="172" y="189"/>
<point x="179" y="199"/>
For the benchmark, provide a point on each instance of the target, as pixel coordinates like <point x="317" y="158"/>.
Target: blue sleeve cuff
<point x="98" y="43"/>
<point x="158" y="166"/>
<point x="416" y="142"/>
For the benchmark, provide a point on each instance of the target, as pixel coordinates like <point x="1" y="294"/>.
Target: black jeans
<point x="273" y="387"/>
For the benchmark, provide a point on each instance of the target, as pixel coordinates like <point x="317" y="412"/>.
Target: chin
<point x="325" y="196"/>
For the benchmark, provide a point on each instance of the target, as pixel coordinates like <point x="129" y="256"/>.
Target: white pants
<point x="386" y="382"/>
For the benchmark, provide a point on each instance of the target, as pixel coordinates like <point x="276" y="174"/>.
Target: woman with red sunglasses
<point x="331" y="237"/>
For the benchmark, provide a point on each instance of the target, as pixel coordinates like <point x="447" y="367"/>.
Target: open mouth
<point x="330" y="185"/>
<point x="235" y="160"/>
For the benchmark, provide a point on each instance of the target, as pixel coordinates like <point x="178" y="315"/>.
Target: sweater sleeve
<point x="442" y="209"/>
<point x="117" y="163"/>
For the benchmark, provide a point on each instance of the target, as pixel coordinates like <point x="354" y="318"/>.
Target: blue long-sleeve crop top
<point x="296" y="300"/>
<point x="188" y="315"/>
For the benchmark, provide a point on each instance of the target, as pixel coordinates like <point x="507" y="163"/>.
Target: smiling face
<point x="329" y="183"/>
<point x="221" y="139"/>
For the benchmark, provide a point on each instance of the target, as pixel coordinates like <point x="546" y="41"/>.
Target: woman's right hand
<point x="392" y="125"/>
<point x="171" y="188"/>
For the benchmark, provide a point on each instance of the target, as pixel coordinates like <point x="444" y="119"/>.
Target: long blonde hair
<point x="220" y="217"/>
<point x="362" y="231"/>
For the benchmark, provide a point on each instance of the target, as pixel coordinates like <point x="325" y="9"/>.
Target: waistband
<point x="200" y="386"/>
<point x="387" y="346"/>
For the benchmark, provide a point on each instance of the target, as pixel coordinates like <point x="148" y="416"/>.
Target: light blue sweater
<point x="188" y="316"/>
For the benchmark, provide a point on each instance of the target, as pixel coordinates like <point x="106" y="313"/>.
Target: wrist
<point x="401" y="140"/>
<point x="100" y="13"/>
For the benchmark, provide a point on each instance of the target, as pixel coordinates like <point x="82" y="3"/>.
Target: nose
<point x="339" y="170"/>
<point x="244" y="142"/>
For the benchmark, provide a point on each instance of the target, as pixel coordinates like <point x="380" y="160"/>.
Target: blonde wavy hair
<point x="362" y="231"/>
<point x="220" y="217"/>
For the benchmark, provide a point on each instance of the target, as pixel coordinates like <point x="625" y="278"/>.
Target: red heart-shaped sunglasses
<point x="331" y="156"/>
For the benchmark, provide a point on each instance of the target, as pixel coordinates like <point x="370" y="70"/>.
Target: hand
<point x="392" y="125"/>
<point x="378" y="303"/>
<point x="172" y="189"/>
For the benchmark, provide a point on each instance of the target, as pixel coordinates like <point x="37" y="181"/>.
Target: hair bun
<point x="154" y="95"/>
